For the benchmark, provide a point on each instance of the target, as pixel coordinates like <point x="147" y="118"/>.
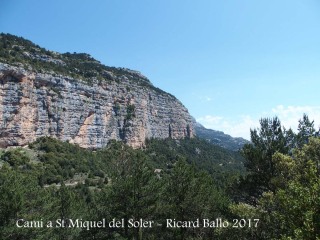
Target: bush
<point x="15" y="157"/>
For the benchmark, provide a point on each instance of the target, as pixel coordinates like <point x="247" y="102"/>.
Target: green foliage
<point x="220" y="163"/>
<point x="296" y="202"/>
<point x="116" y="108"/>
<point x="247" y="215"/>
<point x="11" y="196"/>
<point x="269" y="139"/>
<point x="288" y="203"/>
<point x="62" y="160"/>
<point x="291" y="211"/>
<point x="122" y="185"/>
<point x="133" y="193"/>
<point x="194" y="182"/>
<point x="190" y="195"/>
<point x="130" y="112"/>
<point x="266" y="141"/>
<point x="305" y="131"/>
<point x="15" y="157"/>
<point x="19" y="200"/>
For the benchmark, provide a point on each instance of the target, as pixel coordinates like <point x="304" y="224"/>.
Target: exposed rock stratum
<point x="38" y="99"/>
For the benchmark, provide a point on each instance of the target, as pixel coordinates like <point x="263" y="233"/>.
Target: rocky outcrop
<point x="34" y="104"/>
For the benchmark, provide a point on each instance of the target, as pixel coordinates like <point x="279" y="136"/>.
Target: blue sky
<point x="230" y="62"/>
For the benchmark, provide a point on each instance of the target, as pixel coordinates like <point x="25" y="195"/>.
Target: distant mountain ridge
<point x="219" y="138"/>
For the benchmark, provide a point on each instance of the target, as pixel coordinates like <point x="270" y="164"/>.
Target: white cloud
<point x="202" y="98"/>
<point x="240" y="127"/>
<point x="210" y="120"/>
<point x="290" y="115"/>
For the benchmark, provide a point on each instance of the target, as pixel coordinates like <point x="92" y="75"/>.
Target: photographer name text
<point x="138" y="223"/>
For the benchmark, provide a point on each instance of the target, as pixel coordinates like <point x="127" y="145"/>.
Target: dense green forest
<point x="270" y="191"/>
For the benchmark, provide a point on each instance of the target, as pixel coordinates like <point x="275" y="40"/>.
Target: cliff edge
<point x="75" y="98"/>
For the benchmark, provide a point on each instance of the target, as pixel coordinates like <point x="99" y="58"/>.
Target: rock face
<point x="34" y="104"/>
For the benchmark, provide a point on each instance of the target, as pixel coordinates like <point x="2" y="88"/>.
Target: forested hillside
<point x="275" y="195"/>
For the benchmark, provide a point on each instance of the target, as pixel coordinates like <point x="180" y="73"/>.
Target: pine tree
<point x="266" y="141"/>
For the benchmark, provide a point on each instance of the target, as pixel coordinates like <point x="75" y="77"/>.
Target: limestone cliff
<point x="39" y="97"/>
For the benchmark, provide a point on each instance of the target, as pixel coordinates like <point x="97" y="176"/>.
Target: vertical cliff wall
<point x="34" y="104"/>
